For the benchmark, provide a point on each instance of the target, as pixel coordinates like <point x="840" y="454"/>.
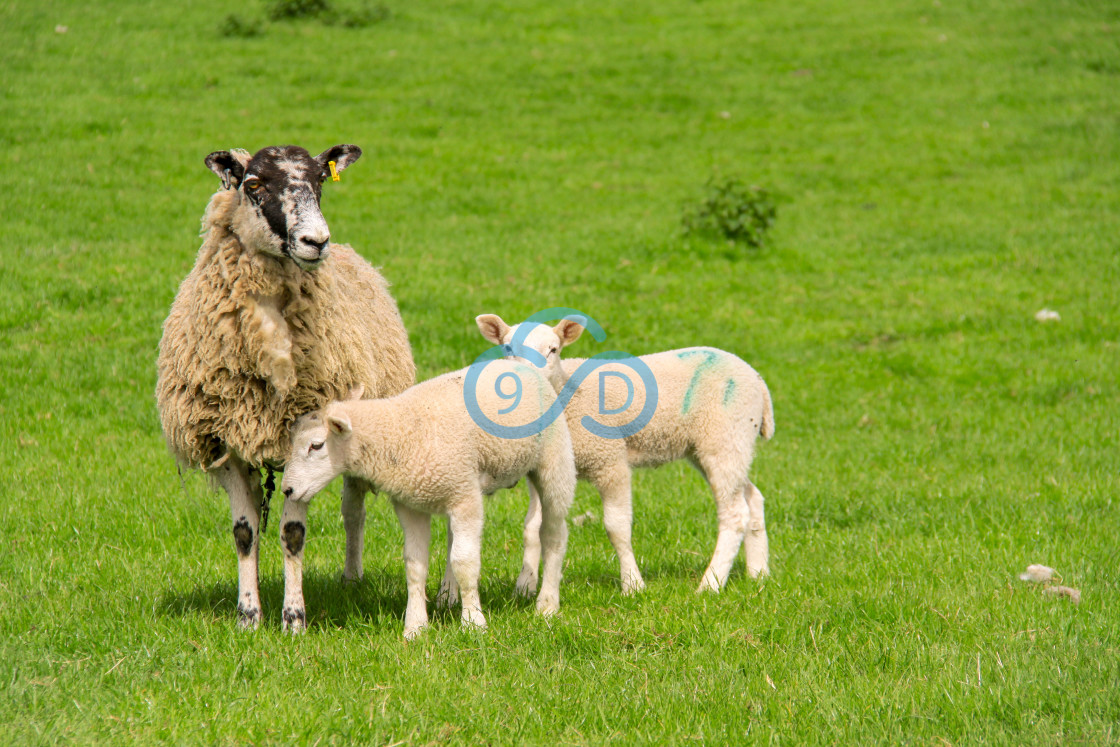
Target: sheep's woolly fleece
<point x="216" y="386"/>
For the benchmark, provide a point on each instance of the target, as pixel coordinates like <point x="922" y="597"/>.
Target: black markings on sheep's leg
<point x="243" y="537"/>
<point x="293" y="615"/>
<point x="293" y="535"/>
<point x="248" y="617"/>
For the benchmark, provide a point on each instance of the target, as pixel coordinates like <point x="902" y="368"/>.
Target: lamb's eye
<point x="552" y="351"/>
<point x="316" y="445"/>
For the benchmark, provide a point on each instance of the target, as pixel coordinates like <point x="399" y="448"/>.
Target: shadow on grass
<point x="379" y="597"/>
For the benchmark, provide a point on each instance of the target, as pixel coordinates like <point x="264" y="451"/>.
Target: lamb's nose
<point x="288" y="492"/>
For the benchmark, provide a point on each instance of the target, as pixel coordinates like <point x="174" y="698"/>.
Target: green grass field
<point x="945" y="169"/>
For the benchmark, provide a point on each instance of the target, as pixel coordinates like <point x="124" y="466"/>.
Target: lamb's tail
<point x="766" y="430"/>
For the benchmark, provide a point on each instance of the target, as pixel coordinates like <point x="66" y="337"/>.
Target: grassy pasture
<point x="946" y="169"/>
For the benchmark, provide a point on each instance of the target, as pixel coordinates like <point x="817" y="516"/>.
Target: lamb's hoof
<point x="527" y="583"/>
<point x="709" y="583"/>
<point x="633" y="586"/>
<point x="294" y="621"/>
<point x="762" y="572"/>
<point x="474" y="619"/>
<point x="348" y="580"/>
<point x="412" y="632"/>
<point x="547" y="605"/>
<point x="248" y="618"/>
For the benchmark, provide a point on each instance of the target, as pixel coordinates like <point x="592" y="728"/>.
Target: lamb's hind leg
<point x="448" y="594"/>
<point x="733" y="517"/>
<point x="354" y="520"/>
<point x="756" y="546"/>
<point x="465" y="556"/>
<point x="293" y="531"/>
<point x="531" y="536"/>
<point x="245" y="498"/>
<point x="557" y="488"/>
<point x="618" y="518"/>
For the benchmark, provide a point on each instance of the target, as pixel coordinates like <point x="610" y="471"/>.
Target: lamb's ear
<point x="357" y="392"/>
<point x="568" y="331"/>
<point x="492" y="327"/>
<point x="229" y="165"/>
<point x="339" y="425"/>
<point x="342" y="155"/>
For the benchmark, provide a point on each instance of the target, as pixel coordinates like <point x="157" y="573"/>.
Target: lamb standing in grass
<point x="272" y="322"/>
<point x="711" y="408"/>
<point x="424" y="449"/>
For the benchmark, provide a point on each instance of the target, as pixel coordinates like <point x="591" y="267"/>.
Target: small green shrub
<point x="734" y="211"/>
<point x="286" y="10"/>
<point x="366" y="14"/>
<point x="236" y="26"/>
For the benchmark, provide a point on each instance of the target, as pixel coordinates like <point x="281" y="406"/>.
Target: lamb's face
<point x="318" y="443"/>
<point x="280" y="189"/>
<point x="545" y="341"/>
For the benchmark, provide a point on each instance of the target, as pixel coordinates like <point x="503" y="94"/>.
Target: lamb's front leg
<point x="293" y="532"/>
<point x="465" y="556"/>
<point x="245" y="508"/>
<point x="417" y="528"/>
<point x="756" y="546"/>
<point x="531" y="537"/>
<point x="354" y="521"/>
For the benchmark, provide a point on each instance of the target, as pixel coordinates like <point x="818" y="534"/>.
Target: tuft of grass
<point x="234" y="25"/>
<point x="288" y="10"/>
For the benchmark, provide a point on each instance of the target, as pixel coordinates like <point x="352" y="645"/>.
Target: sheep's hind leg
<point x="293" y="532"/>
<point x="245" y="508"/>
<point x="756" y="546"/>
<point x="417" y="528"/>
<point x="465" y="556"/>
<point x="531" y="537"/>
<point x="618" y="518"/>
<point x="354" y="521"/>
<point x="733" y="517"/>
<point x="448" y="594"/>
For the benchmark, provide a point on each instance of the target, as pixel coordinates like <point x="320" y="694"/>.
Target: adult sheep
<point x="272" y="322"/>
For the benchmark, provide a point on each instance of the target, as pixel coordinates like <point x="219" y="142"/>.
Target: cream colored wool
<point x="253" y="342"/>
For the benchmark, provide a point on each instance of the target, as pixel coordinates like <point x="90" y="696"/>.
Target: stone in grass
<point x="1037" y="574"/>
<point x="1047" y="315"/>
<point x="585" y="518"/>
<point x="1064" y="591"/>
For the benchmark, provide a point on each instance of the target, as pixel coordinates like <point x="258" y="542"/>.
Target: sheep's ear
<point x="342" y="155"/>
<point x="229" y="165"/>
<point x="339" y="425"/>
<point x="568" y="331"/>
<point x="492" y="327"/>
<point x="357" y="392"/>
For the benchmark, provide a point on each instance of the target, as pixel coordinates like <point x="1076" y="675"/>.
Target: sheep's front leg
<point x="354" y="520"/>
<point x="448" y="593"/>
<point x="417" y="529"/>
<point x="293" y="532"/>
<point x="465" y="556"/>
<point x="531" y="554"/>
<point x="733" y="516"/>
<point x="756" y="546"/>
<point x="618" y="518"/>
<point x="245" y="508"/>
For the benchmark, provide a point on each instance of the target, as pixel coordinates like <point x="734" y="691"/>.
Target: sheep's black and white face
<point x="280" y="189"/>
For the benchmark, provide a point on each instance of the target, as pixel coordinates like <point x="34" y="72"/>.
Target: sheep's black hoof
<point x="248" y="618"/>
<point x="295" y="620"/>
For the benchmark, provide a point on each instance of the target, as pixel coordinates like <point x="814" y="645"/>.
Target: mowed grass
<point x="946" y="170"/>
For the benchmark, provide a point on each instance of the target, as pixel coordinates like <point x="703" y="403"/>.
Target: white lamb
<point x="424" y="449"/>
<point x="710" y="409"/>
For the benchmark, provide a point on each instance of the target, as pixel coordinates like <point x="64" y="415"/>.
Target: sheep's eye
<point x="316" y="445"/>
<point x="253" y="186"/>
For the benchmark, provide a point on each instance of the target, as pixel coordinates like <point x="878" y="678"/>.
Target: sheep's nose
<point x="318" y="246"/>
<point x="288" y="492"/>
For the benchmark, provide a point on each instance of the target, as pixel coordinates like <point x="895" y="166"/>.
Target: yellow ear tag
<point x="334" y="172"/>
